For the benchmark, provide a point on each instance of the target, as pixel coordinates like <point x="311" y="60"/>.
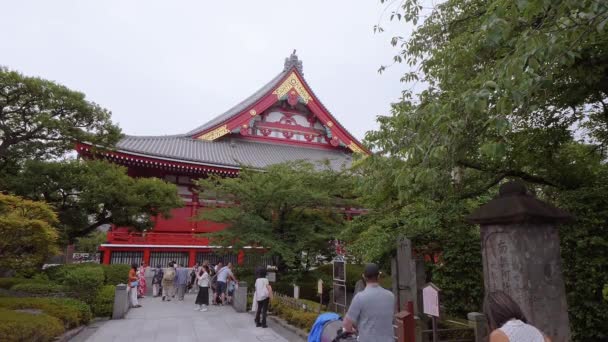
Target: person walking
<point x="192" y="286"/>
<point x="181" y="280"/>
<point x="157" y="280"/>
<point x="202" y="298"/>
<point x="141" y="275"/>
<point x="371" y="311"/>
<point x="507" y="321"/>
<point x="133" y="283"/>
<point x="263" y="296"/>
<point x="168" y="281"/>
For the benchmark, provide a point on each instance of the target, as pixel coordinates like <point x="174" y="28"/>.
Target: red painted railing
<point x="118" y="237"/>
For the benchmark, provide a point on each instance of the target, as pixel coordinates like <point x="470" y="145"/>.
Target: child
<point x="263" y="295"/>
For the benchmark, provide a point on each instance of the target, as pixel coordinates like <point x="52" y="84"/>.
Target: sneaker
<point x="264" y="326"/>
<point x="257" y="325"/>
<point x="203" y="309"/>
<point x="198" y="309"/>
<point x="163" y="298"/>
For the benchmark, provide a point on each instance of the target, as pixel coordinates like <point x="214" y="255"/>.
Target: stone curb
<point x="285" y="325"/>
<point x="68" y="335"/>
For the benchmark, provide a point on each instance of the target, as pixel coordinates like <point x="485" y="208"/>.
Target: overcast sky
<point x="166" y="67"/>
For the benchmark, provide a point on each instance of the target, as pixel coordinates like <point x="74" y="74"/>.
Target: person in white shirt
<point x="202" y="299"/>
<point x="223" y="275"/>
<point x="263" y="295"/>
<point x="507" y="322"/>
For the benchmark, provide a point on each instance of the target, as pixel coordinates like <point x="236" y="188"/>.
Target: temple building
<point x="282" y="121"/>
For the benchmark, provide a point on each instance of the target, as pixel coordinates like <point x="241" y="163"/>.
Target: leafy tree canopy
<point x="289" y="208"/>
<point x="42" y="119"/>
<point x="512" y="90"/>
<point x="29" y="235"/>
<point x="89" y="194"/>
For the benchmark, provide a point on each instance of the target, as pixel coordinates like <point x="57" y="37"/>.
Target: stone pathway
<point x="176" y="321"/>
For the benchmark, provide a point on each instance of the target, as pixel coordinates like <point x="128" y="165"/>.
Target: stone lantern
<point x="521" y="256"/>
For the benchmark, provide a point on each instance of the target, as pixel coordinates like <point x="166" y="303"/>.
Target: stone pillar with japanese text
<point x="521" y="256"/>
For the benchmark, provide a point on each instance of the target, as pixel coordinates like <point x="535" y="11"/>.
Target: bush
<point x="84" y="282"/>
<point x="84" y="311"/>
<point x="104" y="301"/>
<point x="7" y="283"/>
<point x="299" y="318"/>
<point x="115" y="274"/>
<point x="38" y="288"/>
<point x="21" y="326"/>
<point x="70" y="311"/>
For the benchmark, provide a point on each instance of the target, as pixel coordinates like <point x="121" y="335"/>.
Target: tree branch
<point x="508" y="173"/>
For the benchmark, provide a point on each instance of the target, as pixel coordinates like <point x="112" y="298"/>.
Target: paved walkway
<point x="176" y="321"/>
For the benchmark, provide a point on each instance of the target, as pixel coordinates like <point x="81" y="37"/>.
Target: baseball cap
<point x="371" y="271"/>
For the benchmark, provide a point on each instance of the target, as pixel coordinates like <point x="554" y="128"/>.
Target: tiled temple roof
<point x="233" y="152"/>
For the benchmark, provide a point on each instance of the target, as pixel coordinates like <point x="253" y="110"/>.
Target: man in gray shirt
<point x="371" y="311"/>
<point x="181" y="280"/>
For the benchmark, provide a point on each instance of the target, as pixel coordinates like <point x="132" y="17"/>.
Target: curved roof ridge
<point x="239" y="107"/>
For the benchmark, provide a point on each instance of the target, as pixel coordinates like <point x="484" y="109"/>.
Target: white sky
<point x="165" y="67"/>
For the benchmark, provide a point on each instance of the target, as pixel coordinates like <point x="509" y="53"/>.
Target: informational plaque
<point x="339" y="283"/>
<point x="339" y="270"/>
<point x="430" y="300"/>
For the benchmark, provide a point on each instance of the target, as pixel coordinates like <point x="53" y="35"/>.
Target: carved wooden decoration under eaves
<point x="355" y="148"/>
<point x="293" y="82"/>
<point x="216" y="133"/>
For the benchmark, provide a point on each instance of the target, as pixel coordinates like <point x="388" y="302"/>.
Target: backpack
<point x="170" y="274"/>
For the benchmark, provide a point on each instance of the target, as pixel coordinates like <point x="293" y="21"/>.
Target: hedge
<point x="20" y="326"/>
<point x="39" y="288"/>
<point x="299" y="318"/>
<point x="112" y="274"/>
<point x="70" y="311"/>
<point x="104" y="301"/>
<point x="7" y="283"/>
<point x="84" y="282"/>
<point x="116" y="274"/>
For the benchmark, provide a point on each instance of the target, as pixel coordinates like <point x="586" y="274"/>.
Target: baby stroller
<point x="328" y="328"/>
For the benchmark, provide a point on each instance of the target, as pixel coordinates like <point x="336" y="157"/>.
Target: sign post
<point x="339" y="284"/>
<point x="320" y="293"/>
<point x="430" y="303"/>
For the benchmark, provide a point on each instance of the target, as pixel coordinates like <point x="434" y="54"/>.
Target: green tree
<point x="29" y="234"/>
<point x="89" y="243"/>
<point x="294" y="209"/>
<point x="42" y="119"/>
<point x="89" y="194"/>
<point x="511" y="90"/>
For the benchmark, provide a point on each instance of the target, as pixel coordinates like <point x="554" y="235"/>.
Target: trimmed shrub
<point x="299" y="318"/>
<point x="7" y="283"/>
<point x="84" y="309"/>
<point x="38" y="288"/>
<point x="104" y="301"/>
<point x="21" y="326"/>
<point x="84" y="282"/>
<point x="70" y="311"/>
<point x="116" y="274"/>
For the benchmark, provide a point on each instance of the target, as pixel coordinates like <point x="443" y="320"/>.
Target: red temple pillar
<point x="106" y="256"/>
<point x="147" y="256"/>
<point x="192" y="257"/>
<point x="240" y="259"/>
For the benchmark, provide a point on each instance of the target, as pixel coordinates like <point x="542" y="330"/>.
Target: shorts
<point x="221" y="287"/>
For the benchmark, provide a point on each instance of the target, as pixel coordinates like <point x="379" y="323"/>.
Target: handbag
<point x="134" y="283"/>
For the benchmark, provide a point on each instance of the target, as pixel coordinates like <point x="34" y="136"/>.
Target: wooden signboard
<point x="339" y="283"/>
<point x="430" y="300"/>
<point x="430" y="305"/>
